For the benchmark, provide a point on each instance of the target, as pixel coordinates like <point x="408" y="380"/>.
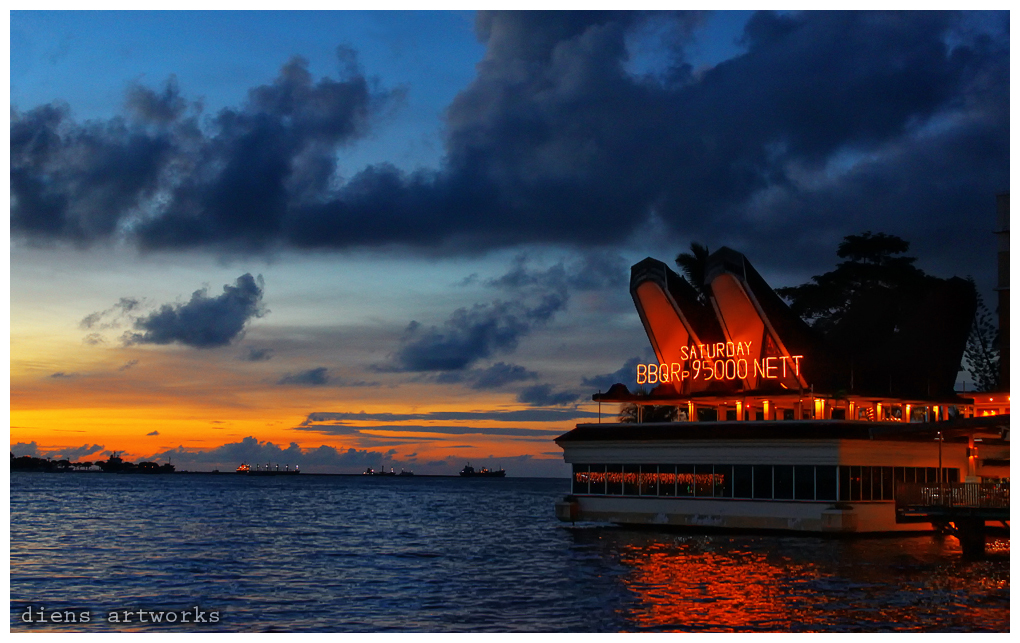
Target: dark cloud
<point x="251" y="450"/>
<point x="161" y="108"/>
<point x="492" y="377"/>
<point x="228" y="181"/>
<point x="367" y="440"/>
<point x="79" y="182"/>
<point x="25" y="448"/>
<point x="311" y="377"/>
<point x="528" y="415"/>
<point x="344" y="429"/>
<point x="828" y="123"/>
<point x="152" y="433"/>
<point x="68" y="453"/>
<point x="203" y="322"/>
<point x="345" y="383"/>
<point x="112" y="317"/>
<point x="591" y="271"/>
<point x="257" y="354"/>
<point x="485" y="330"/>
<point x="627" y="374"/>
<point x="63" y="375"/>
<point x="544" y="395"/>
<point x="127" y="365"/>
<point x="500" y="374"/>
<point x="320" y="377"/>
<point x="472" y="334"/>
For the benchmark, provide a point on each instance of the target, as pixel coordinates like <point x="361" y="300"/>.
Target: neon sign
<point x="719" y="361"/>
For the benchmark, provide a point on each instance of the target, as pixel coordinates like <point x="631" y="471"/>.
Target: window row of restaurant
<point x="760" y="482"/>
<point x="819" y="410"/>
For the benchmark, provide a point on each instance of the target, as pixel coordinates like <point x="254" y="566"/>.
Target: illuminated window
<point x="667" y="480"/>
<point x="597" y="484"/>
<point x="892" y="413"/>
<point x="631" y="475"/>
<point x="581" y="479"/>
<point x="685" y="480"/>
<point x="614" y="480"/>
<point x="703" y="481"/>
<point x="648" y="484"/>
<point x="723" y="481"/>
<point x="850" y="483"/>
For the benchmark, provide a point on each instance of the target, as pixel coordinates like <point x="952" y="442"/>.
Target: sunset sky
<point x="346" y="239"/>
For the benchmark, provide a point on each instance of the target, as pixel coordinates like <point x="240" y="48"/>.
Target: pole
<point x="600" y="405"/>
<point x="941" y="501"/>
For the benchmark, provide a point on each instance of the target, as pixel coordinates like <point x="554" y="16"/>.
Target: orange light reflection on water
<point x="736" y="591"/>
<point x="705" y="584"/>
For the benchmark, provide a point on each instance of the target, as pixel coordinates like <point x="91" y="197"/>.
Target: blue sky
<point x="88" y="59"/>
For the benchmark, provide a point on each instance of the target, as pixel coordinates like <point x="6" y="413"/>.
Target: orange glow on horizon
<point x="187" y="400"/>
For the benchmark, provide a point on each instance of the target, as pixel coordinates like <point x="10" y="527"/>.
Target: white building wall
<point x="874" y="453"/>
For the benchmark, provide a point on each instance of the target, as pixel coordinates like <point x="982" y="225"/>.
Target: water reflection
<point x="425" y="554"/>
<point x="726" y="583"/>
<point x="686" y="585"/>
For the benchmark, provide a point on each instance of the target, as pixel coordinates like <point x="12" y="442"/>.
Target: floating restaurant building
<point x="772" y="426"/>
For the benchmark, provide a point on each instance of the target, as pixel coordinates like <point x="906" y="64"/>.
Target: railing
<point x="983" y="495"/>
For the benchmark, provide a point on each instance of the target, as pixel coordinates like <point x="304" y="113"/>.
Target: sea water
<point x="428" y="554"/>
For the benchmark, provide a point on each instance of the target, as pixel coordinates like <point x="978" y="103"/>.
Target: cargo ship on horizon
<point x="246" y="469"/>
<point x="469" y="472"/>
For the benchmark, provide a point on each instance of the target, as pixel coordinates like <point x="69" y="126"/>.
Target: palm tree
<point x="693" y="266"/>
<point x="650" y="413"/>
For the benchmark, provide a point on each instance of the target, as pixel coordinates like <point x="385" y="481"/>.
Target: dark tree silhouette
<point x="857" y="292"/>
<point x="650" y="413"/>
<point x="892" y="326"/>
<point x="693" y="266"/>
<point x="982" y="351"/>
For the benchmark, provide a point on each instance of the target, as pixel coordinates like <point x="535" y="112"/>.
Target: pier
<point x="961" y="509"/>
